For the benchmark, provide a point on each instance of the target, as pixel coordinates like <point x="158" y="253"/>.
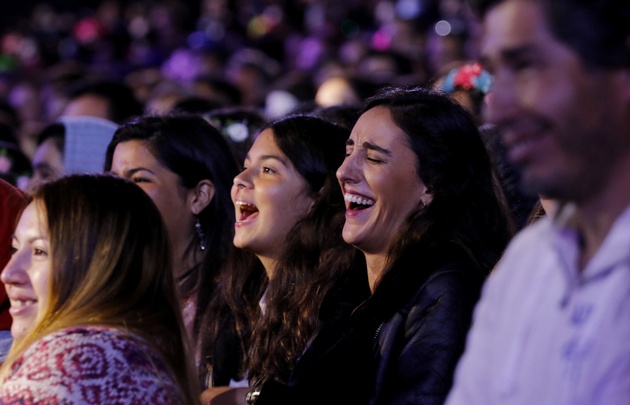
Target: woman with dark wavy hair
<point x="186" y="166"/>
<point x="289" y="213"/>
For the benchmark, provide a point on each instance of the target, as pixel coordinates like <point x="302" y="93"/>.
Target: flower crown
<point x="470" y="77"/>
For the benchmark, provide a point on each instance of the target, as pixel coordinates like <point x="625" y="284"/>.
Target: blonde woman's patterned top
<point x="89" y="365"/>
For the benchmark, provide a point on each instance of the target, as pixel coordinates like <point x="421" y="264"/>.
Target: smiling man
<point x="553" y="323"/>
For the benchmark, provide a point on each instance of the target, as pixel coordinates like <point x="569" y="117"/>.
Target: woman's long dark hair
<point x="193" y="149"/>
<point x="469" y="208"/>
<point x="314" y="255"/>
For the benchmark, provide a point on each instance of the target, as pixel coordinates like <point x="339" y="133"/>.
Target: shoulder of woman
<point x="456" y="283"/>
<point x="89" y="364"/>
<point x="98" y="345"/>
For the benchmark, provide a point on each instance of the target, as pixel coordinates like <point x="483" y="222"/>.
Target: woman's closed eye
<point x="374" y="159"/>
<point x="139" y="179"/>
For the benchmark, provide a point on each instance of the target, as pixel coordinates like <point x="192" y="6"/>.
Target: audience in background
<point x="57" y="59"/>
<point x="345" y="115"/>
<point x="106" y="99"/>
<point x="238" y="125"/>
<point x="344" y="90"/>
<point x="15" y="167"/>
<point x="71" y="145"/>
<point x="195" y="105"/>
<point x="217" y="89"/>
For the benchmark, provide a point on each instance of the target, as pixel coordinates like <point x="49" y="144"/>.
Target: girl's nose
<point x="240" y="180"/>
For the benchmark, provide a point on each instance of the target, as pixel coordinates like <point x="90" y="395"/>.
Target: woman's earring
<point x="201" y="236"/>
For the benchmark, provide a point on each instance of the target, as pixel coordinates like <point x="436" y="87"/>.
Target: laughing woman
<point x="423" y="207"/>
<point x="289" y="213"/>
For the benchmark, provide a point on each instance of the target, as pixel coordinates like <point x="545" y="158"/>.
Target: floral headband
<point x="470" y="77"/>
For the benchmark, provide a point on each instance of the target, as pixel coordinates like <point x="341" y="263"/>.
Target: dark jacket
<point x="398" y="346"/>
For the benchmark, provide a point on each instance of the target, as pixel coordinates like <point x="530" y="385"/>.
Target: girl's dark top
<point x="228" y="354"/>
<point x="397" y="346"/>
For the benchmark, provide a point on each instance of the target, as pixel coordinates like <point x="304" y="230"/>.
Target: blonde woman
<point x="95" y="311"/>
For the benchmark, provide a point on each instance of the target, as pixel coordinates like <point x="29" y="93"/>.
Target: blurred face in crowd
<point x="27" y="275"/>
<point x="134" y="160"/>
<point x="47" y="163"/>
<point x="87" y="105"/>
<point x="379" y="181"/>
<point x="269" y="196"/>
<point x="335" y="91"/>
<point x="561" y="121"/>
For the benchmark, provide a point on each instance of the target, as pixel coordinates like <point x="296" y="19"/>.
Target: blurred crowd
<point x="270" y="56"/>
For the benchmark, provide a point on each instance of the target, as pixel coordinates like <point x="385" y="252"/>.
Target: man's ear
<point x="201" y="196"/>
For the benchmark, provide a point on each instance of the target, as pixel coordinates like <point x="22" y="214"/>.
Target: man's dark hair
<point x="598" y="30"/>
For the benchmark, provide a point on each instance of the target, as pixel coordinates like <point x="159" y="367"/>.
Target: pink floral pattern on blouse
<point x="89" y="365"/>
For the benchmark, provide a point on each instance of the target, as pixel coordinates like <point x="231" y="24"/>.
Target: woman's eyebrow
<point x="274" y="157"/>
<point x="371" y="146"/>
